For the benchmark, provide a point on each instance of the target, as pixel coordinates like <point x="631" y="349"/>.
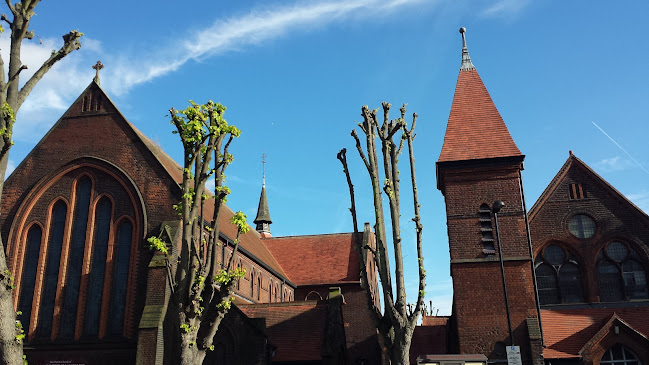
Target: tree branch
<point x="71" y="43"/>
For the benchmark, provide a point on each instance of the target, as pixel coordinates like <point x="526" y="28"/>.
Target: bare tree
<point x="12" y="96"/>
<point x="395" y="322"/>
<point x="202" y="287"/>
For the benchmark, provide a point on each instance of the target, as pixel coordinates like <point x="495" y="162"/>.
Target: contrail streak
<point x="622" y="148"/>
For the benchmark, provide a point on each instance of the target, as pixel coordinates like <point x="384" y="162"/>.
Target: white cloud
<point x="235" y="33"/>
<point x="505" y="8"/>
<point x="616" y="163"/>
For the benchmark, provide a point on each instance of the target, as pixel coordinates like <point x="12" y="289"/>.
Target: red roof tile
<point x="318" y="259"/>
<point x="566" y="331"/>
<point x="475" y="129"/>
<point x="296" y="328"/>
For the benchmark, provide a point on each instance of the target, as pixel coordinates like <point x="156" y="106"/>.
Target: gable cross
<point x="98" y="66"/>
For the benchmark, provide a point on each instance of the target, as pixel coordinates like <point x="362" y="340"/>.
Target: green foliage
<point x="239" y="219"/>
<point x="20" y="332"/>
<point x="224" y="277"/>
<point x="185" y="327"/>
<point x="8" y="280"/>
<point x="157" y="244"/>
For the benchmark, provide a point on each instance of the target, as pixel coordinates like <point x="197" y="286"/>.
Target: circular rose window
<point x="582" y="226"/>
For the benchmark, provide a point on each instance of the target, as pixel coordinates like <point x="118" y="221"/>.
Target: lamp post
<point x="496" y="207"/>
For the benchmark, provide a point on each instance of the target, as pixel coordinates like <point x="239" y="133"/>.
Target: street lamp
<point x="495" y="208"/>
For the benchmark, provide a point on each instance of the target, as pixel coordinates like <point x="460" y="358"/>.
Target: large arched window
<point x="50" y="279"/>
<point x="103" y="214"/>
<point x="620" y="275"/>
<point x="83" y="193"/>
<point x="558" y="277"/>
<point x="74" y="245"/>
<point x="120" y="277"/>
<point x="619" y="355"/>
<point x="29" y="275"/>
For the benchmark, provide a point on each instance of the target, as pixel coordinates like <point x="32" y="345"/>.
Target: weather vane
<point x="263" y="169"/>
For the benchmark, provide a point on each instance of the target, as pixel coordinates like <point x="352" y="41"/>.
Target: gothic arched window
<point x="29" y="275"/>
<point x="83" y="193"/>
<point x="120" y="277"/>
<point x="103" y="214"/>
<point x="558" y="277"/>
<point x="51" y="277"/>
<point x="619" y="355"/>
<point x="620" y="275"/>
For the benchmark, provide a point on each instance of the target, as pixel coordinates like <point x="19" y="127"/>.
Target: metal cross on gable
<point x="98" y="66"/>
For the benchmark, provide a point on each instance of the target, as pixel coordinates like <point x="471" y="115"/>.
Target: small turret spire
<point x="466" y="59"/>
<point x="263" y="220"/>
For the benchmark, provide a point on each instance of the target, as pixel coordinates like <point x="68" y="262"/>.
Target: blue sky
<point x="565" y="75"/>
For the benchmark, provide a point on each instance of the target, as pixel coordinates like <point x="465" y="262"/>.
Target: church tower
<point x="263" y="221"/>
<point x="481" y="165"/>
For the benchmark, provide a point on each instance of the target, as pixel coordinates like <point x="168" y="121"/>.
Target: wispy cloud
<point x="505" y="8"/>
<point x="239" y="32"/>
<point x="616" y="163"/>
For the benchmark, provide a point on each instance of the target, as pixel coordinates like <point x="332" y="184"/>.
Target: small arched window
<point x="259" y="287"/>
<point x="620" y="276"/>
<point x="29" y="275"/>
<point x="558" y="277"/>
<point x="619" y="355"/>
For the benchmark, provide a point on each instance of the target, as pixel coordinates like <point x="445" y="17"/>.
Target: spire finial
<point x="98" y="66"/>
<point x="466" y="59"/>
<point x="263" y="170"/>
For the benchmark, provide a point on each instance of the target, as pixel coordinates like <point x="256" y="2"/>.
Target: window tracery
<point x="558" y="276"/>
<point x="620" y="275"/>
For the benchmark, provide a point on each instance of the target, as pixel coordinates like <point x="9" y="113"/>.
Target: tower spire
<point x="263" y="221"/>
<point x="466" y="59"/>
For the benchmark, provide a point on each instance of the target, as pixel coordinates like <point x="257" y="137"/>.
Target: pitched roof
<point x="318" y="259"/>
<point x="567" y="331"/>
<point x="475" y="129"/>
<point x="250" y="243"/>
<point x="574" y="162"/>
<point x="296" y="328"/>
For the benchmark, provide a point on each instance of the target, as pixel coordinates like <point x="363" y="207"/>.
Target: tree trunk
<point x="191" y="355"/>
<point x="10" y="348"/>
<point x="400" y="351"/>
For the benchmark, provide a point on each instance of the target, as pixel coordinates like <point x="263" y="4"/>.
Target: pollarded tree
<point x="12" y="97"/>
<point x="201" y="289"/>
<point x="395" y="322"/>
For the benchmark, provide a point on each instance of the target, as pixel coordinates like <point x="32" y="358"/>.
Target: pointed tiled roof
<point x="475" y="129"/>
<point x="263" y="214"/>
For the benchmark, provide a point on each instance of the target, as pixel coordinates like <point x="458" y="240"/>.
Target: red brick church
<point x="77" y="211"/>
